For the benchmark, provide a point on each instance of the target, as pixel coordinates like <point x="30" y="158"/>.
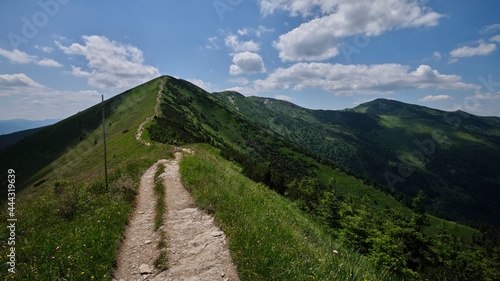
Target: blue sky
<point x="58" y="56"/>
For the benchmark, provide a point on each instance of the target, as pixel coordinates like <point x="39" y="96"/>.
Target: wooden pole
<point x="104" y="138"/>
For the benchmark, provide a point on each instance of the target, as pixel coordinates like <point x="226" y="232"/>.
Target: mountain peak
<point x="381" y="106"/>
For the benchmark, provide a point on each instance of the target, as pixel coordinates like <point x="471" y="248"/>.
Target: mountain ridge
<point x="379" y="139"/>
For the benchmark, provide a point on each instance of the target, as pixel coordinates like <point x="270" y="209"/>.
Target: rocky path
<point x="196" y="246"/>
<point x="139" y="247"/>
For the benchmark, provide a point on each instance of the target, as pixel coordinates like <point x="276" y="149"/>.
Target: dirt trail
<point x="139" y="246"/>
<point x="196" y="246"/>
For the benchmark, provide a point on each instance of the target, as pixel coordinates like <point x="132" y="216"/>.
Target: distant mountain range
<point x="16" y="125"/>
<point x="453" y="156"/>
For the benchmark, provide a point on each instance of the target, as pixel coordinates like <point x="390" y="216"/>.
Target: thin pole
<point x="104" y="137"/>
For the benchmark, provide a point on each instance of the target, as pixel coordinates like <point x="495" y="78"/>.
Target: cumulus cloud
<point x="487" y="96"/>
<point x="31" y="100"/>
<point x="238" y="46"/>
<point x="111" y="64"/>
<point x="17" y="56"/>
<point x="483" y="49"/>
<point x="431" y="98"/>
<point x="15" y="83"/>
<point x="362" y="79"/>
<point x="21" y="57"/>
<point x="495" y="38"/>
<point x="319" y="38"/>
<point x="49" y="63"/>
<point x="247" y="63"/>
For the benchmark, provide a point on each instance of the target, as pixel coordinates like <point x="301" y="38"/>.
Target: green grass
<point x="159" y="189"/>
<point x="69" y="225"/>
<point x="269" y="237"/>
<point x="161" y="262"/>
<point x="71" y="229"/>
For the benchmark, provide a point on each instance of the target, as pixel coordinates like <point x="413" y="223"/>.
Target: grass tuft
<point x="159" y="189"/>
<point x="161" y="262"/>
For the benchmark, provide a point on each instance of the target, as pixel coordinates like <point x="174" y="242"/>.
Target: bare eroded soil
<point x="196" y="246"/>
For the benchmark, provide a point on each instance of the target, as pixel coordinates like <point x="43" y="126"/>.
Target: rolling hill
<point x="255" y="150"/>
<point x="12" y="138"/>
<point x="452" y="156"/>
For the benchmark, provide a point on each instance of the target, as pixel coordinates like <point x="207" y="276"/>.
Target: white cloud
<point x="283" y="97"/>
<point x="490" y="28"/>
<point x="31" y="100"/>
<point x="483" y="49"/>
<point x="436" y="55"/>
<point x="50" y="104"/>
<point x="487" y="96"/>
<point x="46" y="49"/>
<point x="495" y="38"/>
<point x="212" y="43"/>
<point x="247" y="63"/>
<point x="262" y="29"/>
<point x="17" y="56"/>
<point x="362" y="79"/>
<point x="257" y="32"/>
<point x="244" y="31"/>
<point x="49" y="63"/>
<point x="294" y="7"/>
<point x="246" y="91"/>
<point x="237" y="46"/>
<point x="111" y="64"/>
<point x="16" y="83"/>
<point x="319" y="38"/>
<point x="239" y="81"/>
<point x="431" y="98"/>
<point x="207" y="86"/>
<point x="20" y="57"/>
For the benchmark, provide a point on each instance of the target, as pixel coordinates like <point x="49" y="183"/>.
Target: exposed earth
<point x="196" y="247"/>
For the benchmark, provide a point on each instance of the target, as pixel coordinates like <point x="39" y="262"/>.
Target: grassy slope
<point x="270" y="238"/>
<point x="12" y="138"/>
<point x="72" y="230"/>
